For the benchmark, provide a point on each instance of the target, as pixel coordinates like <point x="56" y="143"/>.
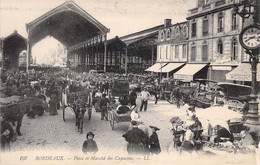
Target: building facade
<point x="172" y="47"/>
<point x="214" y="37"/>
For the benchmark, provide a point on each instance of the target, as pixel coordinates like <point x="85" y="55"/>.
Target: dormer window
<point x="162" y="35"/>
<point x="168" y="34"/>
<point x="177" y="32"/>
<point x="184" y="31"/>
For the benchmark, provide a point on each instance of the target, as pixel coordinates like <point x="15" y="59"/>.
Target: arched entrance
<point x="12" y="46"/>
<point x="73" y="27"/>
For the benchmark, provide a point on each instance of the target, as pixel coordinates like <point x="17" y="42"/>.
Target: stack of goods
<point x="120" y="87"/>
<point x="229" y="147"/>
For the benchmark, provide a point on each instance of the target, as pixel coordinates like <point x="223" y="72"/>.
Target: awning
<point x="242" y="73"/>
<point x="170" y="67"/>
<point x="187" y="72"/>
<point x="156" y="67"/>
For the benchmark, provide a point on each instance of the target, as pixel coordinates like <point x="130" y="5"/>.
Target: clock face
<point x="250" y="37"/>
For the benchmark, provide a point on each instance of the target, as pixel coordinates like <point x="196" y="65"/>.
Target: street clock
<point x="250" y="37"/>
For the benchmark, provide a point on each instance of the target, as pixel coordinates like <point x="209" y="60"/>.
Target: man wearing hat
<point x="90" y="146"/>
<point x="136" y="139"/>
<point x="154" y="141"/>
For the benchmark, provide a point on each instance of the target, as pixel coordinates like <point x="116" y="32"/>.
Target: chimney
<point x="167" y="22"/>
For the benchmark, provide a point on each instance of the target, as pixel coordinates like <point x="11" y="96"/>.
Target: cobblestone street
<point x="51" y="134"/>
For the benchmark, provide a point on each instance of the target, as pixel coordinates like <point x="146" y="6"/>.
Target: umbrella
<point x="217" y="115"/>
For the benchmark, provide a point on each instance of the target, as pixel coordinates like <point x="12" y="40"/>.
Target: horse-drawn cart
<point x="78" y="103"/>
<point x="119" y="114"/>
<point x="236" y="95"/>
<point x="120" y="87"/>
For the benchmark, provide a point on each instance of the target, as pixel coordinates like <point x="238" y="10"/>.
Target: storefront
<point x="156" y="67"/>
<point x="170" y="68"/>
<point x="218" y="72"/>
<point x="191" y="72"/>
<point x="243" y="74"/>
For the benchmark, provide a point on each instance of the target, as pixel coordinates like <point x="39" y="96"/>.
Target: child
<point x="154" y="141"/>
<point x="90" y="146"/>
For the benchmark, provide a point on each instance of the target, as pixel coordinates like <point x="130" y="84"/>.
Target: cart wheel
<point x="235" y="105"/>
<point x="63" y="113"/>
<point x="111" y="120"/>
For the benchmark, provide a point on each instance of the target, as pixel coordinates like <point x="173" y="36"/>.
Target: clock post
<point x="250" y="40"/>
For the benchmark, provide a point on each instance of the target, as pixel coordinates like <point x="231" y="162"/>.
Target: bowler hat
<point x="156" y="128"/>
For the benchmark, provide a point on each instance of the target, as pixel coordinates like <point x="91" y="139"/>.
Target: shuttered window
<point x="184" y="51"/>
<point x="177" y="51"/>
<point x="205" y="27"/>
<point x="193" y="29"/>
<point x="193" y="54"/>
<point x="205" y="53"/>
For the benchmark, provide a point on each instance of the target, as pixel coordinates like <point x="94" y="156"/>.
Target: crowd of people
<point x="56" y="86"/>
<point x="53" y="87"/>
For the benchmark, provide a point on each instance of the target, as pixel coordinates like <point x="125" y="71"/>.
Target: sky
<point x="122" y="17"/>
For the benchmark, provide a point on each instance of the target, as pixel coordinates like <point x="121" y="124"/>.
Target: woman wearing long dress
<point x="53" y="104"/>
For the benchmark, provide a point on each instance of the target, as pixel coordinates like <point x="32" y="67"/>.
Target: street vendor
<point x="223" y="135"/>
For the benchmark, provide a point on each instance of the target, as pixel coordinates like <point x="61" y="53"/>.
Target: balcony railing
<point x="220" y="2"/>
<point x="205" y="7"/>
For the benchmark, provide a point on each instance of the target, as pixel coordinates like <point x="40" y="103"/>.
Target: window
<point x="205" y="27"/>
<point x="162" y="35"/>
<point x="220" y="47"/>
<point x="234" y="21"/>
<point x="220" y="22"/>
<point x="177" y="51"/>
<point x="184" y="51"/>
<point x="168" y="34"/>
<point x="193" y="54"/>
<point x="205" y="2"/>
<point x="173" y="32"/>
<point x="204" y="52"/>
<point x="234" y="50"/>
<point x="193" y="29"/>
<point x="177" y="32"/>
<point x="184" y="31"/>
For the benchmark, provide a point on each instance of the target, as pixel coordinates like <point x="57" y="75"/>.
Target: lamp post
<point x="247" y="38"/>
